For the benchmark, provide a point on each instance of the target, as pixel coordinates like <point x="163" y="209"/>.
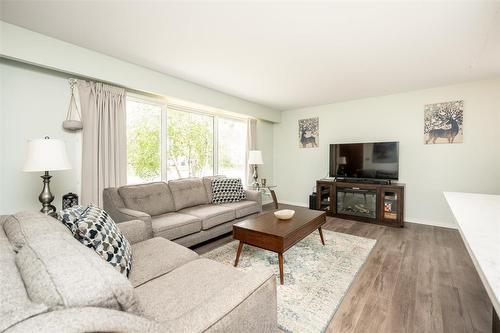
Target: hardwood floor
<point x="417" y="279"/>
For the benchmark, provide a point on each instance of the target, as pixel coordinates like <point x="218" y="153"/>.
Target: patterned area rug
<point x="316" y="277"/>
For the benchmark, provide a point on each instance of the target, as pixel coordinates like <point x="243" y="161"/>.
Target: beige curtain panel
<point x="104" y="145"/>
<point x="251" y="145"/>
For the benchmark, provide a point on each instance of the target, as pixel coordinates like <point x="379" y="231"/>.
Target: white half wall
<point x="2" y="156"/>
<point x="427" y="170"/>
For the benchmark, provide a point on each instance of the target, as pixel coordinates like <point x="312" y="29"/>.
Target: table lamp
<point x="46" y="155"/>
<point x="254" y="159"/>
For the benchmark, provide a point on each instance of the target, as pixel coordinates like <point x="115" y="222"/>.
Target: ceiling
<point x="284" y="55"/>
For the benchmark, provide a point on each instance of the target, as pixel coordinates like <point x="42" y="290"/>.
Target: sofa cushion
<point x="15" y="305"/>
<point x="185" y="288"/>
<point x="243" y="208"/>
<point x="155" y="257"/>
<point x="152" y="198"/>
<point x="25" y="226"/>
<point x="175" y="225"/>
<point x="62" y="273"/>
<point x="207" y="181"/>
<point x="97" y="230"/>
<point x="188" y="192"/>
<point x="227" y="190"/>
<point x="211" y="215"/>
<point x="206" y="296"/>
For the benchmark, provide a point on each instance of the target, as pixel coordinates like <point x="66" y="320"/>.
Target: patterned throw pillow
<point x="227" y="190"/>
<point x="69" y="216"/>
<point x="97" y="230"/>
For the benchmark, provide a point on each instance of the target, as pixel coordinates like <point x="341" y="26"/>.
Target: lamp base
<point x="46" y="196"/>
<point x="255" y="176"/>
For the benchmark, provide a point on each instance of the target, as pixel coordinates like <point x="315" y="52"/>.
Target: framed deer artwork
<point x="309" y="133"/>
<point x="443" y="122"/>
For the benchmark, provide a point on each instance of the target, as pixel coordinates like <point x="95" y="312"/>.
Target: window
<point x="190" y="144"/>
<point x="231" y="152"/>
<point x="165" y="143"/>
<point x="143" y="142"/>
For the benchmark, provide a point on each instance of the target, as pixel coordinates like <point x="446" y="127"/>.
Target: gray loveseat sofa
<point x="180" y="210"/>
<point x="50" y="282"/>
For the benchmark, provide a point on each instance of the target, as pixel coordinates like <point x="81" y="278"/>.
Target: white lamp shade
<point x="46" y="155"/>
<point x="255" y="157"/>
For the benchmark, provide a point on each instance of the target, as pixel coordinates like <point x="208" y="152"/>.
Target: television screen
<point x="375" y="160"/>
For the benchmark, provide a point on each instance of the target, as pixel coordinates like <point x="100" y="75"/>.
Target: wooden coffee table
<point x="269" y="233"/>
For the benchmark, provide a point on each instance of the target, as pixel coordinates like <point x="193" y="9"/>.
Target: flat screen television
<point x="373" y="160"/>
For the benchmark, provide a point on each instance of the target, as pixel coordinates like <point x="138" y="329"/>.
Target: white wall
<point x="265" y="144"/>
<point x="33" y="104"/>
<point x="427" y="170"/>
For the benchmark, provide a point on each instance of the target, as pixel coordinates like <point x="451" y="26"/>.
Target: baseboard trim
<point x="300" y="204"/>
<point x="410" y="220"/>
<point x="431" y="223"/>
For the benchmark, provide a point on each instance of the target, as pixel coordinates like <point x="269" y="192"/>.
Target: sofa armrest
<point x="87" y="319"/>
<point x="126" y="214"/>
<point x="135" y="231"/>
<point x="247" y="304"/>
<point x="254" y="196"/>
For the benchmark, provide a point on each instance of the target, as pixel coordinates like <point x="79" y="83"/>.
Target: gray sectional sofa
<point x="180" y="210"/>
<point x="50" y="282"/>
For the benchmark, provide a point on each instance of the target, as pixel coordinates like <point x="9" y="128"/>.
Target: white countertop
<point x="478" y="219"/>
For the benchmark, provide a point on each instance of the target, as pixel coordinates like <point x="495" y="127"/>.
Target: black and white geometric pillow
<point x="226" y="190"/>
<point x="69" y="216"/>
<point x="97" y="230"/>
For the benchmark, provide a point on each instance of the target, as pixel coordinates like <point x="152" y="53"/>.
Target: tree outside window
<point x="190" y="145"/>
<point x="143" y="142"/>
<point x="188" y="149"/>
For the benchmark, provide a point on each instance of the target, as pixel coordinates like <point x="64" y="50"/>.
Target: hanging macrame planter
<point x="73" y="120"/>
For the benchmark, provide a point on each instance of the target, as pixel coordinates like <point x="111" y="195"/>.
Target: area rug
<point x="316" y="277"/>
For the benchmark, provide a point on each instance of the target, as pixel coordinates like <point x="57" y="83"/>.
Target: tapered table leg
<point x="240" y="246"/>
<point x="280" y="257"/>
<point x="321" y="235"/>
<point x="275" y="200"/>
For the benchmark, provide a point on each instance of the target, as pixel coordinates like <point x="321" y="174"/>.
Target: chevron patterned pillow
<point x="226" y="190"/>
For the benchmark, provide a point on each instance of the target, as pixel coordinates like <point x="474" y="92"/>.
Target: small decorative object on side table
<point x="69" y="200"/>
<point x="270" y="188"/>
<point x="46" y="155"/>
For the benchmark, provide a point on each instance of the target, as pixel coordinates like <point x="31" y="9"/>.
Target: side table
<point x="269" y="188"/>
